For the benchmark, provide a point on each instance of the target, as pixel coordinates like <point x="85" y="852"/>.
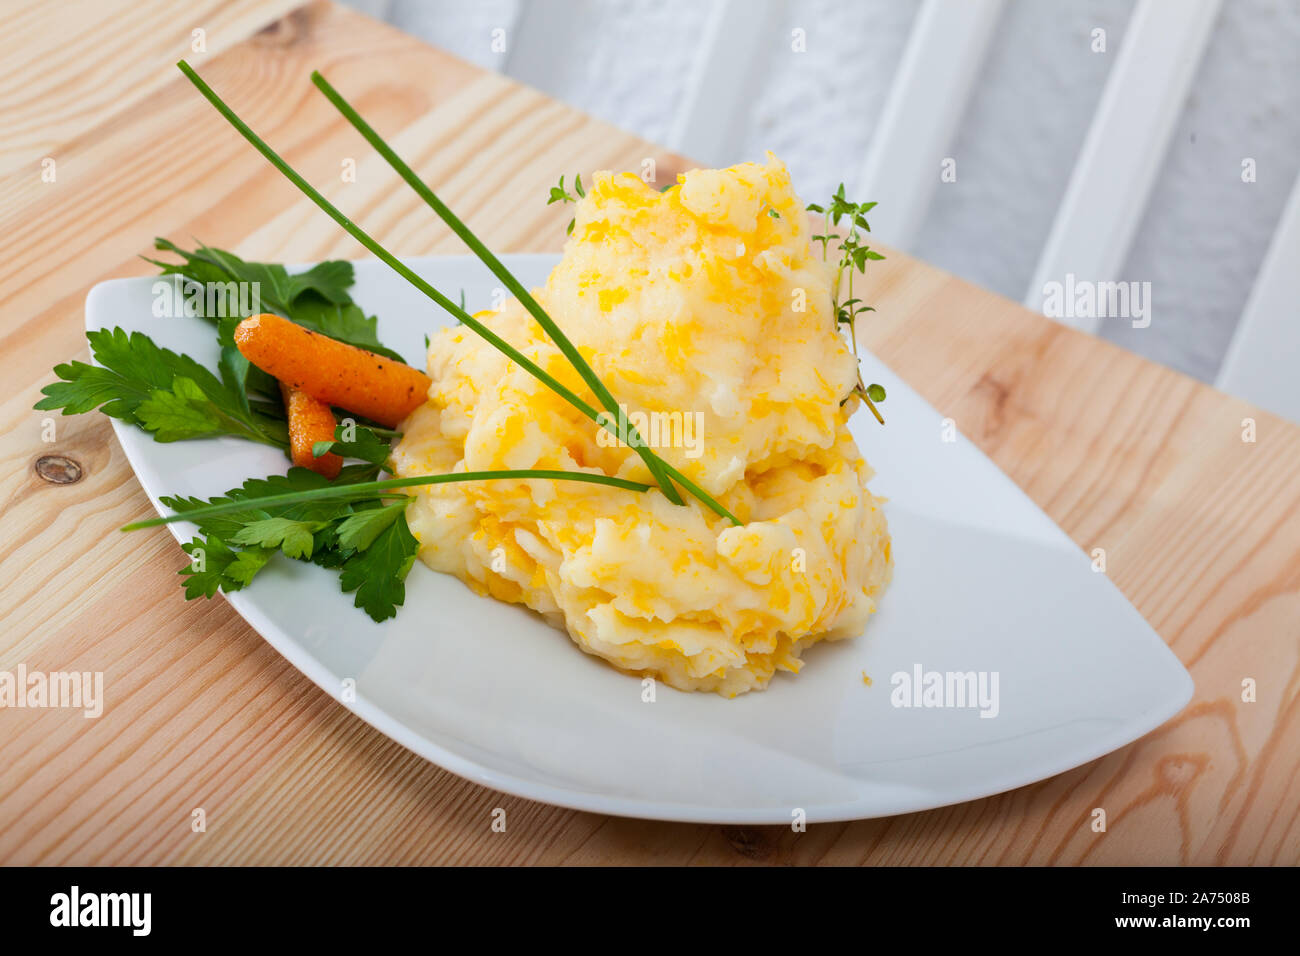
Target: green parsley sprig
<point x="317" y="298"/>
<point x="165" y="393"/>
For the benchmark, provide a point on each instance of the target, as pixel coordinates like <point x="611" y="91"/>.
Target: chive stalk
<point x="369" y="489"/>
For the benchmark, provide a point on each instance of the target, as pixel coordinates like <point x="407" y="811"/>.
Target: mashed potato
<point x="710" y="318"/>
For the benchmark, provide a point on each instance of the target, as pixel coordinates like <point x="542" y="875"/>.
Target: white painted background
<point x="1201" y="238"/>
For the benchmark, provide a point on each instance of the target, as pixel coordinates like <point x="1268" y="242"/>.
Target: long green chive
<point x="516" y="288"/>
<point x="608" y="422"/>
<point x="367" y="489"/>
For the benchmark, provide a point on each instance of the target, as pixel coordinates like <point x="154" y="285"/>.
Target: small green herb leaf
<point x="359" y="531"/>
<point x="560" y="194"/>
<point x="183" y="412"/>
<point x="247" y="563"/>
<point x="215" y="567"/>
<point x="291" y="536"/>
<point x="378" y="574"/>
<point x="365" y="444"/>
<point x="317" y="299"/>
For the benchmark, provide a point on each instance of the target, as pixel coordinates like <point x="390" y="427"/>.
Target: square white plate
<point x="984" y="582"/>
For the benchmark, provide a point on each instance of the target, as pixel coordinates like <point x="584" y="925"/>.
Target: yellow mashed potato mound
<point x="695" y="301"/>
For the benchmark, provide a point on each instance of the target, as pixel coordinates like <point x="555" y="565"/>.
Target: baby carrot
<point x="310" y="421"/>
<point x="331" y="371"/>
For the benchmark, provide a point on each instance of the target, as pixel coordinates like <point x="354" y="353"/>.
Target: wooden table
<point x="1201" y="529"/>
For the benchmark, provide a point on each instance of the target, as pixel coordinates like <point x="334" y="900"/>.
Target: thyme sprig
<point x="560" y="194"/>
<point x="854" y="254"/>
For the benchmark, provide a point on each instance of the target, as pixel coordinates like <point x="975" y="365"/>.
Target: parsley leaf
<point x="363" y="444"/>
<point x="214" y="566"/>
<point x="367" y="540"/>
<point x="183" y="412"/>
<point x="163" y="392"/>
<point x="290" y="535"/>
<point x="246" y="564"/>
<point x="317" y="299"/>
<point x="378" y="574"/>
<point x="359" y="531"/>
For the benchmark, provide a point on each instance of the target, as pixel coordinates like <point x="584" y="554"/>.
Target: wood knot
<point x="997" y="391"/>
<point x="284" y="32"/>
<point x="995" y="395"/>
<point x="58" y="469"/>
<point x="1178" y="771"/>
<point x="750" y="842"/>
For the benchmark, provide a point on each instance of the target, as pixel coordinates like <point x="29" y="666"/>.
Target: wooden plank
<point x="109" y="57"/>
<point x="1202" y="529"/>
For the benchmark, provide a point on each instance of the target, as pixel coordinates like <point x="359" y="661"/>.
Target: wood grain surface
<point x="1201" y="529"/>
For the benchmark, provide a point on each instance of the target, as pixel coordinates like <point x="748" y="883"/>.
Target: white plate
<point x="984" y="582"/>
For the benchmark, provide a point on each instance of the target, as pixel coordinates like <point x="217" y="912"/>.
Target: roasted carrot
<point x="330" y="371"/>
<point x="310" y="421"/>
